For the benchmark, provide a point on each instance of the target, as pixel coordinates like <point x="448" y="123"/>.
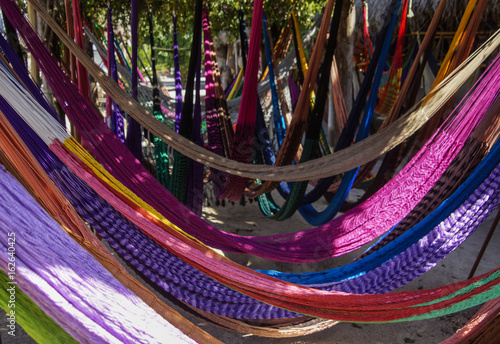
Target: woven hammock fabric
<point x="443" y="300"/>
<point x="22" y="72"/>
<point x="309" y="239"/>
<point x="162" y="167"/>
<point x="84" y="299"/>
<point x="406" y="241"/>
<point x="295" y="130"/>
<point x="217" y="141"/>
<point x="391" y="160"/>
<point x="279" y="121"/>
<point x="91" y="207"/>
<point x="294" y="197"/>
<point x="413" y="74"/>
<point x="230" y="276"/>
<point x="242" y="147"/>
<point x="446" y="233"/>
<point x="112" y="109"/>
<point x="32" y="319"/>
<point x="182" y="165"/>
<point x="389" y="92"/>
<point x="205" y="258"/>
<point x="178" y="79"/>
<point x="366" y="100"/>
<point x="137" y="248"/>
<point x="453" y="221"/>
<point x="83" y="77"/>
<point x="452" y="178"/>
<point x="333" y="164"/>
<point x="194" y="199"/>
<point x="60" y="209"/>
<point x="134" y="132"/>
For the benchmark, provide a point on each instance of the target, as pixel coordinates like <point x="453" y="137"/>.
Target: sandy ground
<point x="247" y="220"/>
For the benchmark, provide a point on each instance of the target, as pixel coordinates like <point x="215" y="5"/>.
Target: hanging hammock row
<point x="139" y="178"/>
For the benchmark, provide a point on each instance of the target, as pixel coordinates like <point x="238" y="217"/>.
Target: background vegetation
<point x="223" y="16"/>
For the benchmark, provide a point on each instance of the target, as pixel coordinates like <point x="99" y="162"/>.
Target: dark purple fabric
<point x="134" y="132"/>
<point x="194" y="197"/>
<point x="178" y="80"/>
<point x="342" y="234"/>
<point x="117" y="121"/>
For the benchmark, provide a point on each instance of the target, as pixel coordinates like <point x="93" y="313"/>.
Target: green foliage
<point x="223" y="16"/>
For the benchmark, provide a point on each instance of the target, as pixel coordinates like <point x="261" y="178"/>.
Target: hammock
<point x="279" y="122"/>
<point x="239" y="242"/>
<point x="389" y="92"/>
<point x="448" y="231"/>
<point x="32" y="319"/>
<point x="204" y="226"/>
<point x="297" y="126"/>
<point x="112" y="109"/>
<point x="275" y="55"/>
<point x="94" y="209"/>
<point x="98" y="214"/>
<point x="389" y="165"/>
<point x="299" y="49"/>
<point x="479" y="207"/>
<point x="178" y="249"/>
<point x="361" y="153"/>
<point x="217" y="128"/>
<point x="178" y="80"/>
<point x="60" y="209"/>
<point x="60" y="284"/>
<point x="448" y="225"/>
<point x="90" y="203"/>
<point x="308" y="212"/>
<point x="410" y="82"/>
<point x="134" y="132"/>
<point x="160" y="148"/>
<point x="136" y="219"/>
<point x="294" y="196"/>
<point x="181" y="168"/>
<point x="473" y="151"/>
<point x="83" y="77"/>
<point x="241" y="149"/>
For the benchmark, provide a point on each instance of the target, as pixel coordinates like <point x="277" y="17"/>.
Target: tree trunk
<point x="345" y="51"/>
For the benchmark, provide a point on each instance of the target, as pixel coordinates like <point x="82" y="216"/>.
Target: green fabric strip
<point x="29" y="316"/>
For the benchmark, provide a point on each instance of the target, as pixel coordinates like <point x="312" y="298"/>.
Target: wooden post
<point x="70" y="32"/>
<point x="35" y="72"/>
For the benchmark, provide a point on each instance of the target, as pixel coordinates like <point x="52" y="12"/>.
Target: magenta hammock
<point x="342" y="235"/>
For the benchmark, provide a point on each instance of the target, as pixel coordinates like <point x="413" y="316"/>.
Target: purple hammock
<point x="142" y="253"/>
<point x="84" y="299"/>
<point x="342" y="235"/>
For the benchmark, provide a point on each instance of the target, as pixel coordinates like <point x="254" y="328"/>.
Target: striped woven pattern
<point x="84" y="299"/>
<point x="310" y="242"/>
